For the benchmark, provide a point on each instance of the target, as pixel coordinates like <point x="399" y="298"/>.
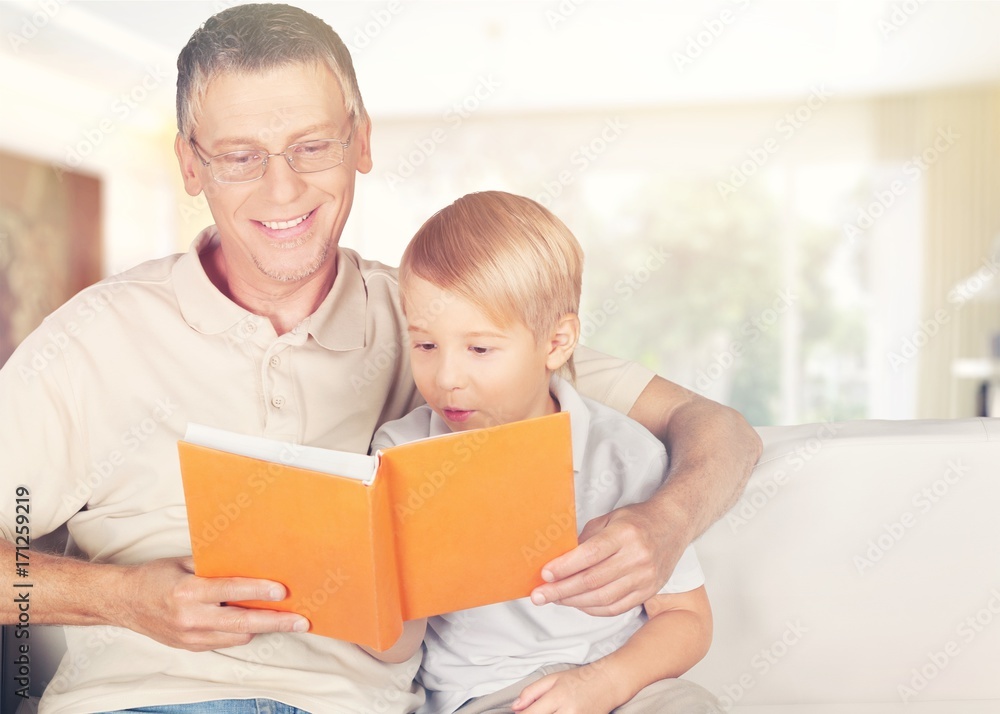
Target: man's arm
<point x="625" y="557"/>
<point x="161" y="599"/>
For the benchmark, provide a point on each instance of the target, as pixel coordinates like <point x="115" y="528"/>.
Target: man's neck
<point x="284" y="304"/>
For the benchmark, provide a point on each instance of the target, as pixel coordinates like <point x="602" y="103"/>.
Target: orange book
<point x="364" y="543"/>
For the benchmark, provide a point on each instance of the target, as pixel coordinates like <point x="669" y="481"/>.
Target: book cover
<point x="432" y="526"/>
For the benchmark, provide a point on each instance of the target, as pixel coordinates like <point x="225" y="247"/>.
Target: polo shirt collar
<point x="337" y="324"/>
<point x="339" y="321"/>
<point x="569" y="401"/>
<point x="202" y="305"/>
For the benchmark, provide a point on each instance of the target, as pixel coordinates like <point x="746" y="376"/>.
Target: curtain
<point x="949" y="141"/>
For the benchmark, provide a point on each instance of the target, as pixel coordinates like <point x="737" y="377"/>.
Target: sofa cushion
<point x="860" y="566"/>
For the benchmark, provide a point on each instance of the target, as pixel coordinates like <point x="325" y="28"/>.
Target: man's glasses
<point x="250" y="164"/>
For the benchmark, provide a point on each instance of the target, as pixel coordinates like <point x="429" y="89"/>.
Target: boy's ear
<point x="563" y="341"/>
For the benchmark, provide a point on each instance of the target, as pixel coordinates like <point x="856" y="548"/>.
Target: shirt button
<point x="248" y="327"/>
<point x="274" y="361"/>
<point x="277" y="402"/>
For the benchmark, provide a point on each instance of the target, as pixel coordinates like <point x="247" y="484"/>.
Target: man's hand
<point x="623" y="559"/>
<point x="164" y="600"/>
<point x="582" y="690"/>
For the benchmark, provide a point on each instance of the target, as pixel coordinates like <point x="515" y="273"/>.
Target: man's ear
<point x="363" y="140"/>
<point x="190" y="166"/>
<point x="563" y="341"/>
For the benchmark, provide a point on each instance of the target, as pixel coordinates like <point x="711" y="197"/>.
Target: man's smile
<point x="289" y="228"/>
<point x="281" y="225"/>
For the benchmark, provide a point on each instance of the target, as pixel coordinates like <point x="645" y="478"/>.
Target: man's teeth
<point x="281" y="225"/>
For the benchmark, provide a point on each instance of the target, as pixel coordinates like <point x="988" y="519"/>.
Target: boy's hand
<point x="582" y="690"/>
<point x="623" y="559"/>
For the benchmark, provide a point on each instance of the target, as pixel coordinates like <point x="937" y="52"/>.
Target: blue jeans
<point x="218" y="706"/>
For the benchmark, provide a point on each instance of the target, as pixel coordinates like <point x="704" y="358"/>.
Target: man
<point x="260" y="328"/>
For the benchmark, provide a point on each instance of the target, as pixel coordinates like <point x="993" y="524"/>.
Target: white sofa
<point x="858" y="574"/>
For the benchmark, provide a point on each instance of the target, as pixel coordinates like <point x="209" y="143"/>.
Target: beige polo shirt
<point x="92" y="405"/>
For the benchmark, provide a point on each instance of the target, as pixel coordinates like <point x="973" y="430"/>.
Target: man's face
<point x="283" y="227"/>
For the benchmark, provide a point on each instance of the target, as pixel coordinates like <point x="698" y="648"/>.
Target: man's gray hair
<point x="258" y="38"/>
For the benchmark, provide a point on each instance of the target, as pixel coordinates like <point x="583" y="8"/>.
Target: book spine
<point x="389" y="623"/>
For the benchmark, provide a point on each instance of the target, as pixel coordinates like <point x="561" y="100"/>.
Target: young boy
<point x="491" y="287"/>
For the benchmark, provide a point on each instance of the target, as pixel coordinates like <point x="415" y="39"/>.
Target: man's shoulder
<point x="413" y="426"/>
<point x="105" y="296"/>
<point x="372" y="272"/>
<point x="154" y="271"/>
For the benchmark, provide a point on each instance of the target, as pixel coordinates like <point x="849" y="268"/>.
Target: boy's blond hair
<point x="507" y="255"/>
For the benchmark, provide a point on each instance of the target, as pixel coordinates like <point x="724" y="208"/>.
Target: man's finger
<point x="596" y="591"/>
<point x="586" y="555"/>
<point x="589" y="581"/>
<point x="613" y="599"/>
<point x="238" y="589"/>
<point x="244" y="620"/>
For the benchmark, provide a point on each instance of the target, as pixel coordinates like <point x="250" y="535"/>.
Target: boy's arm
<point x="674" y="639"/>
<point x="627" y="555"/>
<point x="407" y="644"/>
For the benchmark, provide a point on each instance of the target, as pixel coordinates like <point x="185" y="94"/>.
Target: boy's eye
<point x="480" y="350"/>
<point x="424" y="346"/>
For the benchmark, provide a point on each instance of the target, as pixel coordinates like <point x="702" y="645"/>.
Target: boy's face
<point x="472" y="372"/>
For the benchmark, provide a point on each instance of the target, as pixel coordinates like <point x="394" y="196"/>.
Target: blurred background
<point x="789" y="207"/>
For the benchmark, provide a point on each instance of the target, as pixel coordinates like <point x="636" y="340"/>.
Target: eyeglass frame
<point x="267" y="157"/>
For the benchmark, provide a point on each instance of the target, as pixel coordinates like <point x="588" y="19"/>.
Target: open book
<point x="363" y="543"/>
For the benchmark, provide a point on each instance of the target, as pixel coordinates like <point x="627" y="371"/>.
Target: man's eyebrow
<point x="330" y="131"/>
<point x="233" y="143"/>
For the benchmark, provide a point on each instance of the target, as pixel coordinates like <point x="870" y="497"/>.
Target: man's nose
<point x="282" y="181"/>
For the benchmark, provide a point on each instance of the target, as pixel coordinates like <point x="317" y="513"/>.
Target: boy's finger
<point x="530" y="694"/>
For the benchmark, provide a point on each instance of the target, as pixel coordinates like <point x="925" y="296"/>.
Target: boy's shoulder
<point x="618" y="461"/>
<point x="608" y="426"/>
<point x="415" y="425"/>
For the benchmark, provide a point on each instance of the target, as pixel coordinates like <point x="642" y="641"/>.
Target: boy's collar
<point x="579" y="416"/>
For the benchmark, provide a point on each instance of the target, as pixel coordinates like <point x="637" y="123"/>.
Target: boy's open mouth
<point x="457" y="414"/>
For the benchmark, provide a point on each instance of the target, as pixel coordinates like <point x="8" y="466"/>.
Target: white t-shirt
<point x="478" y="651"/>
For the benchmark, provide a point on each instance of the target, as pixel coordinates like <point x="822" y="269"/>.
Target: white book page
<point x="329" y="461"/>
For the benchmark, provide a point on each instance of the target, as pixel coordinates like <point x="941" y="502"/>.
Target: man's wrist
<point x="677" y="515"/>
<point x="70" y="591"/>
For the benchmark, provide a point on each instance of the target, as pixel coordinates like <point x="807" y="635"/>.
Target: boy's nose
<point x="450" y="375"/>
